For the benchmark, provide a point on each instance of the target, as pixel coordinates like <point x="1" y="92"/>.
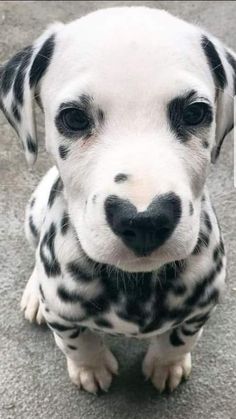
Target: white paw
<point x="167" y="376"/>
<point x="95" y="376"/>
<point x="30" y="303"/>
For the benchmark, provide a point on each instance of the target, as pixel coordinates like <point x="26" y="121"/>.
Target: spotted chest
<point x="76" y="290"/>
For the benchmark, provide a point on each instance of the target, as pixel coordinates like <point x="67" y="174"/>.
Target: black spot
<point x="32" y="202"/>
<point x="73" y="319"/>
<point x="178" y="314"/>
<point x="175" y="340"/>
<point x="47" y="310"/>
<point x="85" y="99"/>
<point x="32" y="226"/>
<point x="179" y="289"/>
<point x="94" y="198"/>
<point x="188" y="332"/>
<point x="63" y="151"/>
<point x="68" y="296"/>
<point x="207" y="221"/>
<point x="171" y="272"/>
<point x="15" y="112"/>
<point x="60" y="327"/>
<point x="65" y="223"/>
<point x="203" y="241"/>
<point x="77" y="272"/>
<point x="133" y="312"/>
<point x="200" y="289"/>
<point x="121" y="177"/>
<point x="218" y="148"/>
<point x="72" y="347"/>
<point x="119" y="282"/>
<point x="38" y="100"/>
<point x="232" y="62"/>
<point x="219" y="266"/>
<point x="218" y="251"/>
<point x="18" y="87"/>
<point x="202" y="318"/>
<point x="56" y="189"/>
<point x="222" y="248"/>
<point x="100" y="115"/>
<point x="95" y="306"/>
<point x="9" y="71"/>
<point x="205" y="143"/>
<point x="41" y="61"/>
<point x="31" y="145"/>
<point x="75" y="334"/>
<point x="51" y="266"/>
<point x="215" y="63"/>
<point x="191" y="209"/>
<point x="103" y="323"/>
<point x="212" y="297"/>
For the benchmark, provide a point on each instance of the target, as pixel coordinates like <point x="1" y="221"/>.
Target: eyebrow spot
<point x="85" y="100"/>
<point x="100" y="115"/>
<point x="121" y="177"/>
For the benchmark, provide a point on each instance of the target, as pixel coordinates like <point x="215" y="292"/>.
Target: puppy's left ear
<point x="20" y="81"/>
<point x="222" y="64"/>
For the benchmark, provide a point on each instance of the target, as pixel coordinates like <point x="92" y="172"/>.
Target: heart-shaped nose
<point x="144" y="231"/>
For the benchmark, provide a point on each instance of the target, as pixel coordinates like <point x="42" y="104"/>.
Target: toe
<point x="111" y="362"/>
<point x="87" y="380"/>
<point x="175" y="377"/>
<point x="159" y="378"/>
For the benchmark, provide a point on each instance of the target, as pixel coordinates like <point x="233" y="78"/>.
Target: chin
<point x="124" y="259"/>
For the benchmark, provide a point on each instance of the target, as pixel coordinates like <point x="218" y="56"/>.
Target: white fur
<point x="132" y="62"/>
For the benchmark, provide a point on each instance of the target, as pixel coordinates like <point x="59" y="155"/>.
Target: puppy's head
<point x="136" y="104"/>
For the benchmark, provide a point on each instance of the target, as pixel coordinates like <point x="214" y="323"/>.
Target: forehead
<point x="125" y="53"/>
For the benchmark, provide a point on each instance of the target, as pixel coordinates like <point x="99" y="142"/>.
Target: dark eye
<point x="74" y="119"/>
<point x="195" y="114"/>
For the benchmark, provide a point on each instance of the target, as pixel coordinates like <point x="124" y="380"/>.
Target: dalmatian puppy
<point x="136" y="105"/>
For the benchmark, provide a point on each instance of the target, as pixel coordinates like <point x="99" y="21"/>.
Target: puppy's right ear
<point x="20" y="83"/>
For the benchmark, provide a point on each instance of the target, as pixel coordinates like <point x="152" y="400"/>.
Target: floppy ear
<point x="20" y="84"/>
<point x="222" y="64"/>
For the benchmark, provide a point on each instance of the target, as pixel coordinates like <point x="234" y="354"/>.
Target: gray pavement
<point x="33" y="377"/>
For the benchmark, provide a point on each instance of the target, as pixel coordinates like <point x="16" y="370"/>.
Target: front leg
<point x="90" y="363"/>
<point x="168" y="359"/>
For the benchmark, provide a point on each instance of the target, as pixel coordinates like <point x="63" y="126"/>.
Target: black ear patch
<point x="41" y="61"/>
<point x="214" y="62"/>
<point x="18" y="88"/>
<point x="8" y="72"/>
<point x="232" y="62"/>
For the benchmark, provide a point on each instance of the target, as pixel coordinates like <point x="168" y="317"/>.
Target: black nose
<point x="144" y="231"/>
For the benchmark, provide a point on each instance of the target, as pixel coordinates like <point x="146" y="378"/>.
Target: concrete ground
<point x="33" y="377"/>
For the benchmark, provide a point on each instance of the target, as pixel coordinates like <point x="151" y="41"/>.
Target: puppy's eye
<point x="195" y="113"/>
<point x="74" y="119"/>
